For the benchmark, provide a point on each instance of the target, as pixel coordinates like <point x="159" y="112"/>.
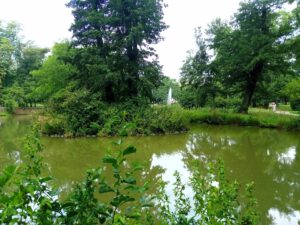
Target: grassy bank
<point x="258" y="118"/>
<point x="160" y="120"/>
<point x="2" y="114"/>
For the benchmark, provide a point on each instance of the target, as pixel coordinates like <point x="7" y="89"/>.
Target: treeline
<point x="17" y="60"/>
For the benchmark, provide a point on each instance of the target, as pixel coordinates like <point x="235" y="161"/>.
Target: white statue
<point x="272" y="105"/>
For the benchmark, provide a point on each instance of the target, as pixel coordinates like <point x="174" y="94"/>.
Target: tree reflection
<point x="270" y="158"/>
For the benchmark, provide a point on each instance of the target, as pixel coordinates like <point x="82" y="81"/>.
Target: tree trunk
<point x="250" y="86"/>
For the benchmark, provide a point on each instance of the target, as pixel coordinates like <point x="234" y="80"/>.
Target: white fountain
<point x="169" y="98"/>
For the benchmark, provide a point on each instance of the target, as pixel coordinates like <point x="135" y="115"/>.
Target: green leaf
<point x="137" y="167"/>
<point x="129" y="150"/>
<point x="120" y="199"/>
<point x="129" y="180"/>
<point x="7" y="174"/>
<point x="109" y="159"/>
<point x="104" y="188"/>
<point x="45" y="179"/>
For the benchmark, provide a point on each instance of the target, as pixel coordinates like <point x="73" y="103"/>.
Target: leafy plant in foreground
<point x="25" y="196"/>
<point x="126" y="201"/>
<point x="215" y="200"/>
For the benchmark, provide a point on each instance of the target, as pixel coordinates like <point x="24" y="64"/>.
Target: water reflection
<point x="270" y="158"/>
<point x="283" y="218"/>
<point x="288" y="157"/>
<point x="255" y="154"/>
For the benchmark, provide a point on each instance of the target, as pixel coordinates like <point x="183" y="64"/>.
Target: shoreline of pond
<point x="189" y="118"/>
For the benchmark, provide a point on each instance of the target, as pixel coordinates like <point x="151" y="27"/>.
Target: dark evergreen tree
<point x="114" y="40"/>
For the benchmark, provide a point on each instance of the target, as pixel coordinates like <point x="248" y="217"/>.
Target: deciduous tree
<point x="254" y="43"/>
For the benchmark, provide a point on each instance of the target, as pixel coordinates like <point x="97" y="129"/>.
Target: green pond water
<point x="270" y="158"/>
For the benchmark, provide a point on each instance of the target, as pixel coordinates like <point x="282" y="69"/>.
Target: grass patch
<point x="259" y="118"/>
<point x="2" y="114"/>
<point x="283" y="107"/>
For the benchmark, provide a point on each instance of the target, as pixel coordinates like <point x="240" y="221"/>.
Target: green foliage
<point x="292" y="90"/>
<point x="10" y="50"/>
<point x="259" y="118"/>
<point x="17" y="60"/>
<point x="160" y="94"/>
<point x="197" y="75"/>
<point x="76" y="113"/>
<point x="14" y="97"/>
<point x="10" y="105"/>
<point x="295" y="104"/>
<point x="117" y="60"/>
<point x="56" y="125"/>
<point x="25" y="196"/>
<point x="128" y="202"/>
<point x="188" y="98"/>
<point x="245" y="53"/>
<point x="55" y="72"/>
<point x="227" y="103"/>
<point x="98" y="118"/>
<point x="216" y="201"/>
<point x="271" y="89"/>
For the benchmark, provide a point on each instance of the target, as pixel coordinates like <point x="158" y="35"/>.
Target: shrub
<point x="10" y="105"/>
<point x="227" y="103"/>
<point x="188" y="98"/>
<point x="82" y="111"/>
<point x="54" y="125"/>
<point x="143" y="120"/>
<point x="295" y="104"/>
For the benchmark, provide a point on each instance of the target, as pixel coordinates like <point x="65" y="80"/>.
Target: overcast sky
<point x="48" y="21"/>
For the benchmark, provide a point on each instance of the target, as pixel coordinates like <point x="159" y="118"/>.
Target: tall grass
<point x="261" y="118"/>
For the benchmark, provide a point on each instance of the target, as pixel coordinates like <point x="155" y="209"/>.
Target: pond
<point x="270" y="158"/>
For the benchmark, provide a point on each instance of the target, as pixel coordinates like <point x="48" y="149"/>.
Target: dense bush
<point x="188" y="98"/>
<point x="10" y="105"/>
<point x="120" y="120"/>
<point x="54" y="125"/>
<point x="292" y="90"/>
<point x="80" y="113"/>
<point x="227" y="103"/>
<point x="295" y="104"/>
<point x="74" y="113"/>
<point x="27" y="198"/>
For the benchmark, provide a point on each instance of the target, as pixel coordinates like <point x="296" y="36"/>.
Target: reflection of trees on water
<point x="12" y="132"/>
<point x="268" y="157"/>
